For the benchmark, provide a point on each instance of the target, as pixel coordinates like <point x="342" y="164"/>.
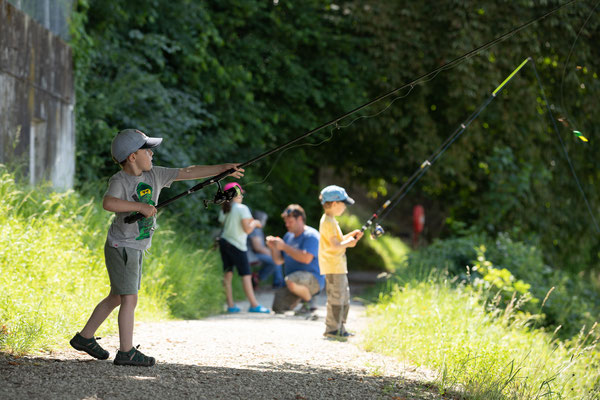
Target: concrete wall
<point x="37" y="98"/>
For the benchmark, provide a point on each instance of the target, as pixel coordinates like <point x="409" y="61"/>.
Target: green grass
<point x="486" y="333"/>
<point x="483" y="352"/>
<point x="52" y="271"/>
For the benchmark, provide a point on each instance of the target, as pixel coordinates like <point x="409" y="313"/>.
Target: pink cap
<point x="232" y="184"/>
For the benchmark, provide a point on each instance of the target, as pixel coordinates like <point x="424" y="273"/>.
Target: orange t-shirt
<point x="332" y="259"/>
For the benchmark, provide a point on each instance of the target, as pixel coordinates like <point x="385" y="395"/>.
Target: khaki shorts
<point x="124" y="267"/>
<point x="305" y="278"/>
<point x="284" y="300"/>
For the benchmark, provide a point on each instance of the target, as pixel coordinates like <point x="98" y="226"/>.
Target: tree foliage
<point x="227" y="80"/>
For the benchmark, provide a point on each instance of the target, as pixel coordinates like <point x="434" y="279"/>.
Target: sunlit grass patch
<point x="486" y="354"/>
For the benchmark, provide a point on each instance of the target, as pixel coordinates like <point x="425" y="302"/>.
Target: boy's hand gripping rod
<point x="377" y="230"/>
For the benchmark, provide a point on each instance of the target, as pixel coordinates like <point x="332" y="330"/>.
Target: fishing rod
<point x="376" y="229"/>
<point x="217" y="178"/>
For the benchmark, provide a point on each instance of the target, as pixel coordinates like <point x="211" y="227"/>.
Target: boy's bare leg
<point x="247" y="284"/>
<point x="227" y="285"/>
<point x="126" y="319"/>
<point x="299" y="290"/>
<point x="100" y="313"/>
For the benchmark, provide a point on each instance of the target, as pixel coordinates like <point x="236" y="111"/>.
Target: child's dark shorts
<point x="232" y="256"/>
<point x="124" y="266"/>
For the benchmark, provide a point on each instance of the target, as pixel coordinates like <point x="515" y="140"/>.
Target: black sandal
<point x="90" y="346"/>
<point x="134" y="357"/>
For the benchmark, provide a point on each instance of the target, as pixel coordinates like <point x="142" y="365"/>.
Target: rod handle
<point x="130" y="219"/>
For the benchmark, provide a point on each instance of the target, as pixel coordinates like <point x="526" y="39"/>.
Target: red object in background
<point x="418" y="222"/>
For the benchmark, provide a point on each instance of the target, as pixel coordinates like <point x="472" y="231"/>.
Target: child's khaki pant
<point x="338" y="302"/>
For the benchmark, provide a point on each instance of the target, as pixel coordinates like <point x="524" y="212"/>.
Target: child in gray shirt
<point x="135" y="188"/>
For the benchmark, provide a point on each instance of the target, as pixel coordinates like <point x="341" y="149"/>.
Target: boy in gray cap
<point x="133" y="189"/>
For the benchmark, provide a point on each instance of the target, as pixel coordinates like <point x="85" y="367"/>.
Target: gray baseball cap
<point x="129" y="141"/>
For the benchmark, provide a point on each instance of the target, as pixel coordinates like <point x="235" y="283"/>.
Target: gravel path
<point x="243" y="356"/>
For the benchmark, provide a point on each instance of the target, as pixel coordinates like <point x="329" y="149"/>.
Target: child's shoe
<point x="338" y="334"/>
<point x="134" y="357"/>
<point x="233" y="310"/>
<point x="259" y="309"/>
<point x="90" y="346"/>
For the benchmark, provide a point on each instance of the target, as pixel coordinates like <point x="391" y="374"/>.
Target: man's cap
<point x="233" y="184"/>
<point x="294" y="210"/>
<point x="129" y="141"/>
<point x="335" y="193"/>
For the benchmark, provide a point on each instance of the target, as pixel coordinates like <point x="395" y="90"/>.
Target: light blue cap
<point x="335" y="193"/>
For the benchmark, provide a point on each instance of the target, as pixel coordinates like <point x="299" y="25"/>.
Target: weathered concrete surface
<point x="37" y="97"/>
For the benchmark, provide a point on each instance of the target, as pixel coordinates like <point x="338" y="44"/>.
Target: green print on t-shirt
<point x="144" y="195"/>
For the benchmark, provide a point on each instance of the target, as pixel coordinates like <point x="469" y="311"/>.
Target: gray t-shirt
<point x="144" y="188"/>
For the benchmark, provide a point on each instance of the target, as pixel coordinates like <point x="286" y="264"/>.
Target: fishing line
<point x="562" y="83"/>
<point x="410" y="85"/>
<point x="336" y="127"/>
<point x="289" y="148"/>
<point x="217" y="178"/>
<point x="564" y="148"/>
<point x="393" y="201"/>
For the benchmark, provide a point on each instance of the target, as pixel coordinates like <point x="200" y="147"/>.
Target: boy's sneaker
<point x="338" y="334"/>
<point x="233" y="310"/>
<point x="90" y="346"/>
<point x="259" y="309"/>
<point x="134" y="357"/>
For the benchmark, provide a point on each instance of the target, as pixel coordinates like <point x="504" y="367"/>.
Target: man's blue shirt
<point x="309" y="241"/>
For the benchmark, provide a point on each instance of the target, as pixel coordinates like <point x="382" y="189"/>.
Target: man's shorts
<point x="124" y="266"/>
<point x="232" y="256"/>
<point x="284" y="299"/>
<point x="304" y="278"/>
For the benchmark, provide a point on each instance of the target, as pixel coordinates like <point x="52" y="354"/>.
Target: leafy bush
<point x="382" y="254"/>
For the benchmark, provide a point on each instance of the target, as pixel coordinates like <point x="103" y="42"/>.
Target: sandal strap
<point x="136" y="355"/>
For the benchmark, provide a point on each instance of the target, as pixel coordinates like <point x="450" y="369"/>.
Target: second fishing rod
<point x="376" y="229"/>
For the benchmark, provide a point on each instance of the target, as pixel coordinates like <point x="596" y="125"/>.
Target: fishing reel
<point x="377" y="231"/>
<point x="223" y="195"/>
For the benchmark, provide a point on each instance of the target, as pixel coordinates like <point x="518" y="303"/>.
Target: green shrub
<point x="568" y="300"/>
<point x="382" y="254"/>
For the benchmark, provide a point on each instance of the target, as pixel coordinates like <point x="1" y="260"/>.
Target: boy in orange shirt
<point x="332" y="259"/>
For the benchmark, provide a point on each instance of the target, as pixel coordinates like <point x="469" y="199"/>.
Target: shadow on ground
<point x="46" y="378"/>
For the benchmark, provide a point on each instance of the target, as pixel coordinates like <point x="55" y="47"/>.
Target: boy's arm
<point x="113" y="204"/>
<point x="350" y="239"/>
<point x="206" y="171"/>
<point x="357" y="234"/>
